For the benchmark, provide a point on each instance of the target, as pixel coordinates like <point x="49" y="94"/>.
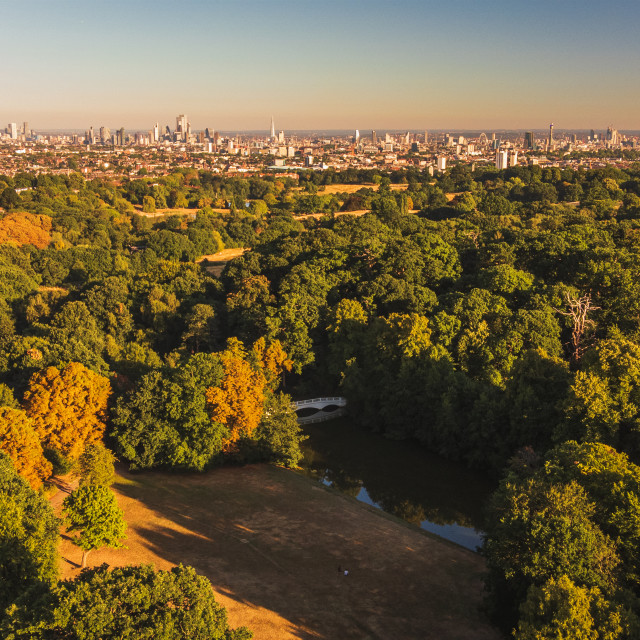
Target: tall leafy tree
<point x="237" y="403"/>
<point x="28" y="537"/>
<point x="93" y="512"/>
<point x="19" y="440"/>
<point x="96" y="466"/>
<point x="68" y="407"/>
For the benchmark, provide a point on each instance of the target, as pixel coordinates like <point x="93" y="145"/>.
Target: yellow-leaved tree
<point x="68" y="407"/>
<point x="238" y="402"/>
<point x="19" y="440"/>
<point x="273" y="359"/>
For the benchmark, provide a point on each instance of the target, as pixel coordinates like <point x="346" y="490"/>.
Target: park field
<point x="271" y="542"/>
<point x="352" y="188"/>
<point x="218" y="261"/>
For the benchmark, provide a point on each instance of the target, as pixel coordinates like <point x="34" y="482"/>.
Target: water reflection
<point x="401" y="478"/>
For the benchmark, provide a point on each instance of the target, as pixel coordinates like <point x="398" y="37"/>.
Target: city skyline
<point x="322" y="66"/>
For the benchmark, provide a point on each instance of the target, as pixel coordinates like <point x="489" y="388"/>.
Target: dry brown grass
<point x="161" y="213"/>
<point x="317" y="216"/>
<point x="352" y="188"/>
<point x="218" y="261"/>
<point x="271" y="542"/>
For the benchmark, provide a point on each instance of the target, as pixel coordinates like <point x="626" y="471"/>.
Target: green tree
<point x="164" y="421"/>
<point x="539" y="531"/>
<point x="278" y="435"/>
<point x="28" y="537"/>
<point x="93" y="512"/>
<point x="126" y="603"/>
<point x="562" y="610"/>
<point x="96" y="466"/>
<point x="148" y="204"/>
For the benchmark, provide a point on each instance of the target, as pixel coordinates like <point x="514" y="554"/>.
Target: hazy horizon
<point x="412" y="64"/>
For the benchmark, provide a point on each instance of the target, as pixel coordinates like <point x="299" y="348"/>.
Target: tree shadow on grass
<point x="273" y="541"/>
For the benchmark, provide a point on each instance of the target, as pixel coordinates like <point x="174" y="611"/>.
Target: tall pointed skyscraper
<point x="272" y="134"/>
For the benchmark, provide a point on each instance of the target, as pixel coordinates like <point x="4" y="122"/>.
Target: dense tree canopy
<point x="126" y="603"/>
<point x="28" y="538"/>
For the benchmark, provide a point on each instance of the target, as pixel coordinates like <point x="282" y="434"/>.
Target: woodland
<point x="491" y="316"/>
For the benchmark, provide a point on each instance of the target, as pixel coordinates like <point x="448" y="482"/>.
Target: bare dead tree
<point x="579" y="309"/>
<point x="473" y="235"/>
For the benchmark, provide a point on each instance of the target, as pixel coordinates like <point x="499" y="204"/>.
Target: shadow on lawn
<point x="272" y="540"/>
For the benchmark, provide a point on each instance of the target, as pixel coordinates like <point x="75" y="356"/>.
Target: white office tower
<point x="442" y="163"/>
<point x="156" y="132"/>
<point x="281" y="137"/>
<point x="407" y="138"/>
<point x="513" y="159"/>
<point x="105" y="134"/>
<point x="13" y="130"/>
<point x="25" y="128"/>
<point x="272" y="133"/>
<point x="426" y="137"/>
<point x="181" y="127"/>
<point x="502" y="158"/>
<point x="356" y="136"/>
<point x="387" y="138"/>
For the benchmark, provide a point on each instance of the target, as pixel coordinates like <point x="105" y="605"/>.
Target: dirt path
<point x="271" y="542"/>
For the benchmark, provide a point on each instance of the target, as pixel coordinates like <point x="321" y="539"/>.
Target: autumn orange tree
<point x="19" y="440"/>
<point x="273" y="360"/>
<point x="68" y="407"/>
<point x="238" y="401"/>
<point x="26" y="228"/>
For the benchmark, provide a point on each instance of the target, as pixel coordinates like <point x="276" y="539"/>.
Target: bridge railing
<point x="337" y="399"/>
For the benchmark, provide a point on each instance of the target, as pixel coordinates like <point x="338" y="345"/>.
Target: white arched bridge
<point x="319" y="409"/>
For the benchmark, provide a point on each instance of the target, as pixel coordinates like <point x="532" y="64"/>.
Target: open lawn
<point x="352" y="188"/>
<point x="317" y="216"/>
<point x="161" y="213"/>
<point x="271" y="542"/>
<point x="218" y="261"/>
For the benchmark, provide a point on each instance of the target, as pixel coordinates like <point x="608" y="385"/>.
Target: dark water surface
<point x="401" y="478"/>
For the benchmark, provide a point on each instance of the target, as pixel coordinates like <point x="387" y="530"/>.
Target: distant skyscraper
<point x="528" y="140"/>
<point x="280" y="136"/>
<point x="374" y="137"/>
<point x="272" y="133"/>
<point x="105" y="134"/>
<point x="551" y="136"/>
<point x="182" y="128"/>
<point x="156" y="132"/>
<point x="442" y="163"/>
<point x="13" y="130"/>
<point x="25" y="128"/>
<point x="612" y="137"/>
<point x="356" y="136"/>
<point x="426" y="137"/>
<point x="502" y="159"/>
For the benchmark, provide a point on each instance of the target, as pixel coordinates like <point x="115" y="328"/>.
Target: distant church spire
<point x="273" y="129"/>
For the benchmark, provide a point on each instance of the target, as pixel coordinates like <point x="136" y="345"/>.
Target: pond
<point x="399" y="477"/>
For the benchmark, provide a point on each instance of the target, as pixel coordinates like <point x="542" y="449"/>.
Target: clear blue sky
<point x="397" y="64"/>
